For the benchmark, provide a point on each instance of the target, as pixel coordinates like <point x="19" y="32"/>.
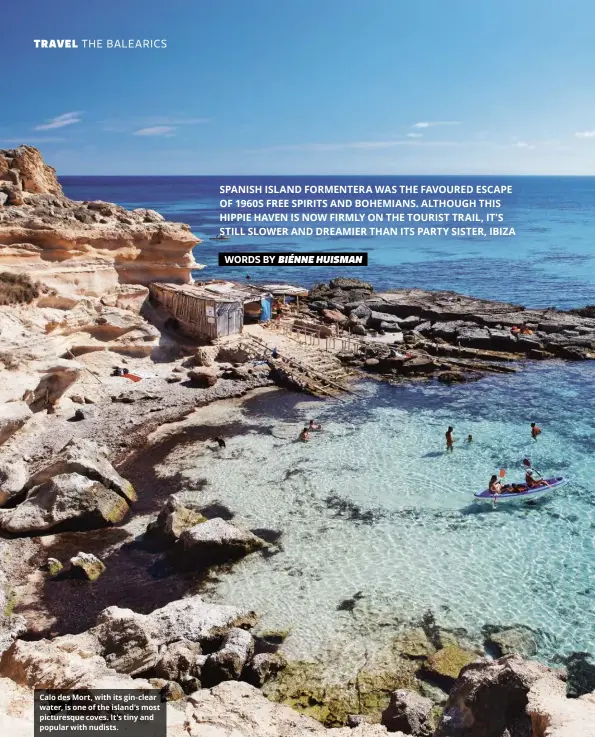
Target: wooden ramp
<point x="317" y="373"/>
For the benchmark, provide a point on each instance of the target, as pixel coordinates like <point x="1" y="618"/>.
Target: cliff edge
<point x="82" y="247"/>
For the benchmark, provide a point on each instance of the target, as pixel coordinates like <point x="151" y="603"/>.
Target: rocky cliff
<point x="82" y="247"/>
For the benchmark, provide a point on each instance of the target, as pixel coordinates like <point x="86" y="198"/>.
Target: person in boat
<point x="450" y="441"/>
<point x="304" y="435"/>
<point x="495" y="485"/>
<point x="314" y="426"/>
<point x="535" y="431"/>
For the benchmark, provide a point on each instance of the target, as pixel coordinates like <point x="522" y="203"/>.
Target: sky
<point x="304" y="87"/>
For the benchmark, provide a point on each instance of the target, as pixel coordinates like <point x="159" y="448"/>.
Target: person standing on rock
<point x="450" y="441"/>
<point x="535" y="431"/>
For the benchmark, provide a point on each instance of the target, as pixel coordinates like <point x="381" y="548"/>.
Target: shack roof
<point x="216" y="291"/>
<point x="285" y="290"/>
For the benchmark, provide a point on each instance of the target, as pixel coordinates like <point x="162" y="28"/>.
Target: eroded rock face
<point x="408" y="712"/>
<point x="25" y="168"/>
<point x="86" y="247"/>
<point x="490" y="697"/>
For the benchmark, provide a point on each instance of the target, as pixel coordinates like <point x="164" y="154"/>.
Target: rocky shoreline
<point x="95" y="390"/>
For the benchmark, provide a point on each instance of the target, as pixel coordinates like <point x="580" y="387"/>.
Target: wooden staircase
<point x="315" y="372"/>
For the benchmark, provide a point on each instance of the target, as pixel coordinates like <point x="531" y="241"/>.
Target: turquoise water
<point x="374" y="505"/>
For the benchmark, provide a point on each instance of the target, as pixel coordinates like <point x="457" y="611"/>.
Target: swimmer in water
<point x="535" y="431"/>
<point x="469" y="438"/>
<point x="450" y="441"/>
<point x="314" y="426"/>
<point x="304" y="435"/>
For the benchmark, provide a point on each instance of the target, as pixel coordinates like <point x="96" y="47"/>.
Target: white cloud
<point x="60" y="122"/>
<point x="433" y="124"/>
<point x="157" y="130"/>
<point x="585" y="134"/>
<point x="415" y="135"/>
<point x="523" y="144"/>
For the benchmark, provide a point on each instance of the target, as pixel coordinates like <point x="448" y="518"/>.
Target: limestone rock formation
<point x="85" y="458"/>
<point x="190" y="619"/>
<point x="173" y="520"/>
<point x="13" y="415"/>
<point x="57" y="377"/>
<point x="408" y="712"/>
<point x="230" y="660"/>
<point x="89" y="564"/>
<point x="217" y="541"/>
<point x="23" y="168"/>
<point x="202" y="377"/>
<point x="65" y="498"/>
<point x="490" y="697"/>
<point x="46" y="664"/>
<point x="82" y="247"/>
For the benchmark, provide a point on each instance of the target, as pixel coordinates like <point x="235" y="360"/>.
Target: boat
<point x="534" y="492"/>
<point x="220" y="238"/>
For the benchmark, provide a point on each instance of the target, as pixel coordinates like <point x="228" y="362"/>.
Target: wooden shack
<point x="206" y="311"/>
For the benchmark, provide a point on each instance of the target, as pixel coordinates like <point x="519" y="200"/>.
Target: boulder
<point x="204" y="356"/>
<point x="490" y="697"/>
<point x="84" y="457"/>
<point x="89" y="564"/>
<point x="47" y="664"/>
<point x="63" y="499"/>
<point x="170" y="690"/>
<point x="13" y="415"/>
<point x="127" y="641"/>
<point x="581" y="673"/>
<point x="414" y="643"/>
<point x="173" y="520"/>
<point x="58" y="376"/>
<point x="334" y="316"/>
<point x="262" y="667"/>
<point x="376" y="318"/>
<point x="348" y="283"/>
<point x="217" y="541"/>
<point x="54" y="567"/>
<point x="203" y="377"/>
<point x="13" y="477"/>
<point x="517" y="639"/>
<point x="228" y="663"/>
<point x="192" y="619"/>
<point x="446" y="664"/>
<point x="179" y="661"/>
<point x="408" y="712"/>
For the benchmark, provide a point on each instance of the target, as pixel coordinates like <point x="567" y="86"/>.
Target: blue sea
<point x="550" y="261"/>
<point x="373" y="506"/>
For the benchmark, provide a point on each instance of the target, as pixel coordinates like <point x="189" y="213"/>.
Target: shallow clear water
<point x="417" y="540"/>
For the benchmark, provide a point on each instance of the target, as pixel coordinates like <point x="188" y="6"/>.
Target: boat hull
<point x="519" y="496"/>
